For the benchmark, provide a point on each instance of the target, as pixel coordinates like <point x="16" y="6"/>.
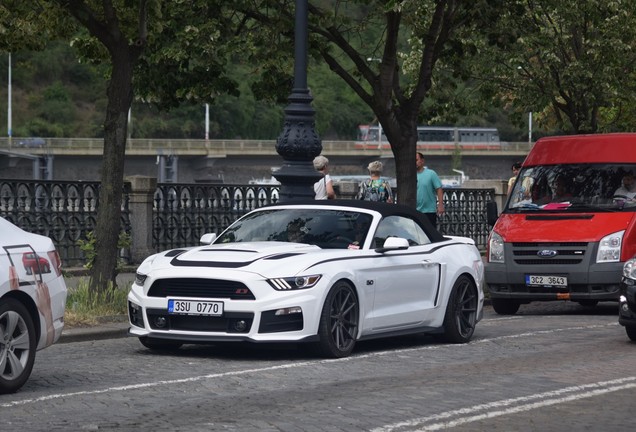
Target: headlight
<point x="609" y="248"/>
<point x="294" y="283"/>
<point x="629" y="269"/>
<point x="140" y="279"/>
<point x="144" y="269"/>
<point x="496" y="248"/>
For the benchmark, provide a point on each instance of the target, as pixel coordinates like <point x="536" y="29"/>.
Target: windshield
<point x="579" y="187"/>
<point x="331" y="229"/>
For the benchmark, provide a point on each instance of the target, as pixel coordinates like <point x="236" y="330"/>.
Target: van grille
<point x="567" y="253"/>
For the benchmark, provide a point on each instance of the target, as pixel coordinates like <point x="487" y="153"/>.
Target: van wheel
<point x="17" y="345"/>
<point x="631" y="332"/>
<point x="505" y="306"/>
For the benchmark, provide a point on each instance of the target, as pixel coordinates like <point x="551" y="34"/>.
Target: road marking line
<point x="285" y="366"/>
<point x="580" y="392"/>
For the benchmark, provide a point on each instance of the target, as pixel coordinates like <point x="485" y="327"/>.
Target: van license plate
<point x="190" y="307"/>
<point x="548" y="281"/>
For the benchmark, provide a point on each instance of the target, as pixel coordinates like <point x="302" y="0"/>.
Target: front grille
<point x="567" y="253"/>
<point x="543" y="245"/>
<point x="200" y="288"/>
<point x="547" y="262"/>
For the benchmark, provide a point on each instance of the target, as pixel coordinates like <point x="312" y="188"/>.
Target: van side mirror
<point x="492" y="214"/>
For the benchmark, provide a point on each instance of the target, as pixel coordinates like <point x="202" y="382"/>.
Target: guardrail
<point x="150" y="146"/>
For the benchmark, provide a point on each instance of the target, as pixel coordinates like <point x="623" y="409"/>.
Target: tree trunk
<point x="120" y="94"/>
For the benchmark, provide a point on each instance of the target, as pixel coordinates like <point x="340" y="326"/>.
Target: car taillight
<point x="56" y="262"/>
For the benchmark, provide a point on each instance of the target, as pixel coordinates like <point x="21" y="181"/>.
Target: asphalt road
<point x="551" y="367"/>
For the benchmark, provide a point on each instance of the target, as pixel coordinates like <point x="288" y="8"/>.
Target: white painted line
<point x="285" y="366"/>
<point x="491" y="410"/>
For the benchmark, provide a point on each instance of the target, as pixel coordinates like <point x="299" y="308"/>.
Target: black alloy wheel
<point x="461" y="311"/>
<point x="339" y="319"/>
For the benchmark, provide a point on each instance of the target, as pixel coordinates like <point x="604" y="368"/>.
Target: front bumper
<point x="627" y="303"/>
<point x="271" y="317"/>
<point x="600" y="282"/>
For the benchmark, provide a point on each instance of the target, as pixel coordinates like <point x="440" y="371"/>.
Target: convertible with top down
<point x="328" y="273"/>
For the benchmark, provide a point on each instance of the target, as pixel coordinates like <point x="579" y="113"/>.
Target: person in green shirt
<point x="430" y="196"/>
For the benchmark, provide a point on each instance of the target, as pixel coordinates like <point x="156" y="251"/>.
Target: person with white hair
<point x="323" y="187"/>
<point x="375" y="188"/>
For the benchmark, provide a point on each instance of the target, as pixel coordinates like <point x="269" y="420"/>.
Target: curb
<point x="103" y="331"/>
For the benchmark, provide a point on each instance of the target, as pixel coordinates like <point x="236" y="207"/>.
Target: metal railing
<point x="67" y="211"/>
<point x="64" y="211"/>
<point x="137" y="146"/>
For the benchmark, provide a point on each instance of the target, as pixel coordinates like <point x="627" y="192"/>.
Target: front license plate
<point x="195" y="307"/>
<point x="551" y="281"/>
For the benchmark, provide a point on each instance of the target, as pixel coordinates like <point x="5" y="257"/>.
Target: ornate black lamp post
<point x="298" y="143"/>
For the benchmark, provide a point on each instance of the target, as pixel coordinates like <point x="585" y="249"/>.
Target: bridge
<point x="193" y="160"/>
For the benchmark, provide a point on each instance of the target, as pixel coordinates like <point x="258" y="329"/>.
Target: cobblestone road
<point x="552" y="367"/>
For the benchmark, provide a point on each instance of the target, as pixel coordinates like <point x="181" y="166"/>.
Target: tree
<point x="572" y="65"/>
<point x="118" y="33"/>
<point x="351" y="36"/>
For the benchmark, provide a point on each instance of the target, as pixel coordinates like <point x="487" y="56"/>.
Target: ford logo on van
<point x="547" y="253"/>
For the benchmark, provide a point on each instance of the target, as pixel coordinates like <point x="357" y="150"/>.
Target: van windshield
<point x="577" y="187"/>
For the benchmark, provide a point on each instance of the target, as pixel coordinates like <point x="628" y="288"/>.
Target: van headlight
<point x="629" y="269"/>
<point x="609" y="248"/>
<point x="496" y="248"/>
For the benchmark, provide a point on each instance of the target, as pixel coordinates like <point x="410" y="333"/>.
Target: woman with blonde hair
<point x="375" y="188"/>
<point x="323" y="187"/>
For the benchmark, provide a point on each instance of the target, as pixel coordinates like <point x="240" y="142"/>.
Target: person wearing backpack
<point x="375" y="188"/>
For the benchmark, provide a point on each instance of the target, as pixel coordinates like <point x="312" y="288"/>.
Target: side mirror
<point x="207" y="238"/>
<point x="492" y="214"/>
<point x="393" y="243"/>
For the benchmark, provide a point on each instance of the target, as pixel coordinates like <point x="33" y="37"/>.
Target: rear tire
<point x="631" y="332"/>
<point x="338" y="327"/>
<point x="505" y="306"/>
<point x="159" y="344"/>
<point x="17" y="345"/>
<point x="461" y="311"/>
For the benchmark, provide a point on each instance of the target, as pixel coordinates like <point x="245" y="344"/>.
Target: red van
<point x="568" y="225"/>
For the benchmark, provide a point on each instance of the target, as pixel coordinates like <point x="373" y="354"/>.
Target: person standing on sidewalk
<point x="430" y="196"/>
<point x="323" y="187"/>
<point x="375" y="188"/>
<point x="516" y="167"/>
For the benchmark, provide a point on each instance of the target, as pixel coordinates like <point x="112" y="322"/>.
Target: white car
<point x="325" y="272"/>
<point x="32" y="301"/>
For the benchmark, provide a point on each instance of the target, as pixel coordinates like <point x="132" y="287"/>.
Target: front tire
<point x="17" y="345"/>
<point x="631" y="332"/>
<point x="461" y="311"/>
<point x="338" y="327"/>
<point x="159" y="344"/>
<point x="505" y="306"/>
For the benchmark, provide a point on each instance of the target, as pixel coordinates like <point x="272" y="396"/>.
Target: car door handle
<point x="429" y="264"/>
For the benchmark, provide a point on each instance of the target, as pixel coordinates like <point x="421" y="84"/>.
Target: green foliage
<point x="84" y="306"/>
<point x="88" y="246"/>
<point x="572" y="66"/>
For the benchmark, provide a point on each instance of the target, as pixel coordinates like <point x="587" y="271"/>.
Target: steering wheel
<point x="621" y="197"/>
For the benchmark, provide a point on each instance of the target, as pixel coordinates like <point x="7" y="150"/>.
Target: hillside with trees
<point x="56" y="95"/>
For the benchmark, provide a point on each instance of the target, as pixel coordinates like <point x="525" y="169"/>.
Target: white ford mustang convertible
<point x="328" y="273"/>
